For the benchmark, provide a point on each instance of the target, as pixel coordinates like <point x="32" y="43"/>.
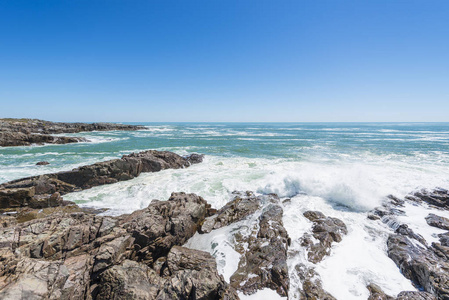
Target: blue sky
<point x="217" y="60"/>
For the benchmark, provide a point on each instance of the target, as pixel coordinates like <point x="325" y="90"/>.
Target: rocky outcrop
<point x="24" y="132"/>
<point x="438" y="197"/>
<point x="46" y="190"/>
<point x="264" y="263"/>
<point x="311" y="284"/>
<point x="425" y="267"/>
<point x="262" y="243"/>
<point x="437" y="221"/>
<point x="326" y="230"/>
<point x="243" y="205"/>
<point x="77" y="255"/>
<point x="22" y="139"/>
<point x="376" y="293"/>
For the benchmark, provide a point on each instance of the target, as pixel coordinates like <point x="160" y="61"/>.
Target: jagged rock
<point x="194" y="276"/>
<point x="42" y="163"/>
<point x="130" y="280"/>
<point x="243" y="205"/>
<point x="326" y="230"/>
<point x="76" y="255"/>
<point x="437" y="221"/>
<point x="444" y="239"/>
<point x="264" y="263"/>
<point x="376" y="293"/>
<point x="421" y="265"/>
<point x="415" y="296"/>
<point x="312" y="288"/>
<point x="45" y="190"/>
<point x="165" y="224"/>
<point x="24" y="132"/>
<point x="437" y="197"/>
<point x="403" y="229"/>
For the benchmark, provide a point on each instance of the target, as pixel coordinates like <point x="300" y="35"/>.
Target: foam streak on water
<point x="343" y="170"/>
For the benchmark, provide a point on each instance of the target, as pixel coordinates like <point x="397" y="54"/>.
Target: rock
<point x="311" y="284"/>
<point x="69" y="254"/>
<point x="403" y="229"/>
<point x="194" y="276"/>
<point x="195" y="158"/>
<point x="437" y="197"/>
<point x="415" y="296"/>
<point x="45" y="190"/>
<point x="165" y="224"/>
<point x="42" y="163"/>
<point x="421" y="265"/>
<point x="437" y="221"/>
<point x="129" y="280"/>
<point x="243" y="205"/>
<point x="326" y="230"/>
<point x="264" y="263"/>
<point x="444" y="239"/>
<point x="376" y="293"/>
<point x="25" y="132"/>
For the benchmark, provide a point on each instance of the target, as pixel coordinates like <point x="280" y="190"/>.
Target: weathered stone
<point x="326" y="230"/>
<point x="25" y="132"/>
<point x="437" y="221"/>
<point x="421" y="265"/>
<point x="312" y="288"/>
<point x="165" y="224"/>
<point x="264" y="263"/>
<point x="45" y="190"/>
<point x="243" y="205"/>
<point x="376" y="293"/>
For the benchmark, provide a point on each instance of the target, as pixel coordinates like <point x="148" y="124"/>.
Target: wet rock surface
<point x="264" y="262"/>
<point x="46" y="190"/>
<point x="78" y="255"/>
<point x="241" y="206"/>
<point x="425" y="267"/>
<point x="326" y="230"/>
<point x="438" y="197"/>
<point x="25" y="132"/>
<point x="437" y="221"/>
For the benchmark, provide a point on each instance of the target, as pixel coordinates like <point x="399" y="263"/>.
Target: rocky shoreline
<point x="53" y="249"/>
<point x="25" y="132"/>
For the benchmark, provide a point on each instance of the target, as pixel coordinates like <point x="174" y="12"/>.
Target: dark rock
<point x="376" y="293"/>
<point x="243" y="205"/>
<point x="403" y="229"/>
<point x="25" y="132"/>
<point x="65" y="253"/>
<point x="416" y="296"/>
<point x="444" y="239"/>
<point x="421" y="265"/>
<point x="437" y="221"/>
<point x="45" y="190"/>
<point x="129" y="280"/>
<point x="194" y="158"/>
<point x="165" y="224"/>
<point x="437" y="197"/>
<point x="264" y="262"/>
<point x="311" y="284"/>
<point x="326" y="230"/>
<point x="42" y="163"/>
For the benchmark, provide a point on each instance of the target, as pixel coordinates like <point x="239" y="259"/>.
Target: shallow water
<point x="343" y="170"/>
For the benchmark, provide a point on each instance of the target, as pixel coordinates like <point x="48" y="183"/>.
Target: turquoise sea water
<point x="341" y="169"/>
<point x="294" y="141"/>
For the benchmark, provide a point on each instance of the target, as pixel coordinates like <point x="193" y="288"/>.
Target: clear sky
<point x="216" y="60"/>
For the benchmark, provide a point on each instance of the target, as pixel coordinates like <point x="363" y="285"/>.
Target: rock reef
<point x="85" y="256"/>
<point x="25" y="132"/>
<point x="46" y="190"/>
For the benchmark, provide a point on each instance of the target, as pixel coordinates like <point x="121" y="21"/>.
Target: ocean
<point x="341" y="169"/>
